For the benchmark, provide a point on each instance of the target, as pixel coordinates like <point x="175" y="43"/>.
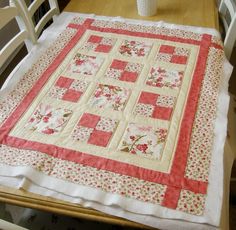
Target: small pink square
<point x="99" y="138"/>
<point x="148" y="98"/>
<point x="167" y="49"/>
<point x="179" y="59"/>
<point x="103" y="48"/>
<point x="129" y="76"/>
<point x="163" y="113"/>
<point x="95" y="39"/>
<point x="72" y="95"/>
<point x="89" y="120"/>
<point x="64" y="82"/>
<point x="117" y="64"/>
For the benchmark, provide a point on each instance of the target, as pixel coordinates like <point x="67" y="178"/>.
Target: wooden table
<point x="188" y="12"/>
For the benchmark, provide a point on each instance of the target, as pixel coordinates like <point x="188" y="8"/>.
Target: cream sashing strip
<point x="64" y="139"/>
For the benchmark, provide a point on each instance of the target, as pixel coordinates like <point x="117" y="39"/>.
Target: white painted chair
<point x="227" y="9"/>
<point x="35" y="30"/>
<point x="11" y="47"/>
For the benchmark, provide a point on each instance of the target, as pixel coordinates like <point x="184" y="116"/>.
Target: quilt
<point x="120" y="109"/>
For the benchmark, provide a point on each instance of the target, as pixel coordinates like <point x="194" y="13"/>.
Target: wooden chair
<point x="227" y="10"/>
<point x="11" y="47"/>
<point x="36" y="28"/>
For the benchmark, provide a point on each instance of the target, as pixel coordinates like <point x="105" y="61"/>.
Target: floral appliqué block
<point x="135" y="48"/>
<point x="144" y="141"/>
<point x="155" y="105"/>
<point x="94" y="129"/>
<point x="124" y="71"/>
<point x="172" y="54"/>
<point x="99" y="44"/>
<point x="84" y="64"/>
<point x="109" y="96"/>
<point x="161" y="77"/>
<point x="68" y="89"/>
<point x="48" y="120"/>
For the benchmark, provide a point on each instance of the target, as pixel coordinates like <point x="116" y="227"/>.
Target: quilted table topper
<point x="122" y="108"/>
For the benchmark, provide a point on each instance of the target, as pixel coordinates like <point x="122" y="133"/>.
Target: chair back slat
<point x="228" y="8"/>
<point x="231" y="7"/>
<point x="43" y="21"/>
<point x="8" y="14"/>
<point x="34" y="6"/>
<point x="12" y="46"/>
<point x="30" y="11"/>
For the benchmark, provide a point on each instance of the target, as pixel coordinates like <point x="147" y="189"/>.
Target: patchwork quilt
<point x="119" y="108"/>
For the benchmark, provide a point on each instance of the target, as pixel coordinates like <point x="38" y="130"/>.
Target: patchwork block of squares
<point x="143" y="140"/>
<point x="94" y="129"/>
<point x="163" y="77"/>
<point x="109" y="96"/>
<point x="99" y="44"/>
<point x="155" y="105"/>
<point x="135" y="48"/>
<point x="124" y="71"/>
<point x="48" y="120"/>
<point x="68" y="89"/>
<point x="84" y="64"/>
<point x="172" y="54"/>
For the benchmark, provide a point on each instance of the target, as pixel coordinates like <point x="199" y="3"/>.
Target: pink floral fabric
<point x="94" y="129"/>
<point x="135" y="48"/>
<point x="172" y="54"/>
<point x="48" y="120"/>
<point x="144" y="141"/>
<point x="108" y="96"/>
<point x="124" y="71"/>
<point x="84" y="64"/>
<point x="68" y="89"/>
<point x="99" y="44"/>
<point x="155" y="105"/>
<point x="162" y="77"/>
